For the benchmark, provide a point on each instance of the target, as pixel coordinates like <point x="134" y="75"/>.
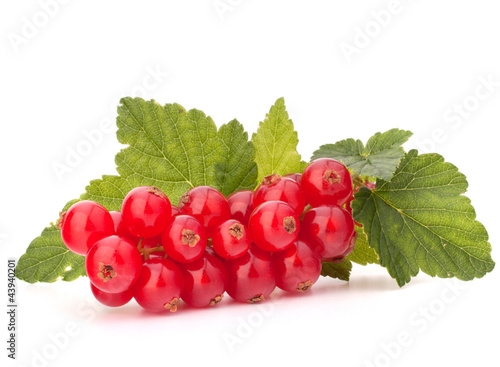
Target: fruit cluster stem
<point x="148" y="251"/>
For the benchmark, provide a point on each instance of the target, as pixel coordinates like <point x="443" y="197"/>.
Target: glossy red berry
<point x="85" y="223"/>
<point x="160" y="285"/>
<point x="342" y="257"/>
<point x="145" y="211"/>
<point x="241" y="205"/>
<point x="231" y="239"/>
<point x="351" y="245"/>
<point x="210" y="250"/>
<point x="297" y="268"/>
<point x="326" y="181"/>
<point x="274" y="225"/>
<point x="117" y="219"/>
<point x="251" y="276"/>
<point x="184" y="238"/>
<point x="111" y="299"/>
<point x="152" y="242"/>
<point x="277" y="188"/>
<point x="113" y="264"/>
<point x="204" y="281"/>
<point x="121" y="229"/>
<point x="207" y="205"/>
<point x="175" y="211"/>
<point x="294" y="176"/>
<point x="328" y="230"/>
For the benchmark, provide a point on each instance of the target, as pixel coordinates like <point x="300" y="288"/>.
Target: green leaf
<point x="379" y="158"/>
<point x="48" y="259"/>
<point x="276" y="144"/>
<point x="363" y="254"/>
<point x="168" y="147"/>
<point x="421" y="221"/>
<point x="109" y="191"/>
<point x="340" y="271"/>
<point x="303" y="165"/>
<point x="175" y="150"/>
<point x="237" y="169"/>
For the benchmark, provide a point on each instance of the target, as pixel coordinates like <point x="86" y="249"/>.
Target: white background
<point x="66" y="75"/>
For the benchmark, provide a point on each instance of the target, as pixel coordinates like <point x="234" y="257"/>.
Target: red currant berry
<point x="121" y="229"/>
<point x="184" y="239"/>
<point x="251" y="276"/>
<point x="241" y="205"/>
<point x="328" y="230"/>
<point x="159" y="255"/>
<point x="117" y="219"/>
<point x="341" y="258"/>
<point x="111" y="299"/>
<point x="113" y="264"/>
<point x="83" y="224"/>
<point x="351" y="245"/>
<point x="297" y="268"/>
<point x="145" y="211"/>
<point x="175" y="211"/>
<point x="210" y="251"/>
<point x="277" y="188"/>
<point x="207" y="205"/>
<point x="294" y="176"/>
<point x="274" y="225"/>
<point x="146" y="243"/>
<point x="231" y="239"/>
<point x="160" y="285"/>
<point x="204" y="281"/>
<point x="326" y="181"/>
<point x="149" y="243"/>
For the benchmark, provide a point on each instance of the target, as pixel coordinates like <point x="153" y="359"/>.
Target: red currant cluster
<point x="244" y="245"/>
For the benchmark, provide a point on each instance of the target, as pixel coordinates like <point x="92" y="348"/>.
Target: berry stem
<point x="357" y="180"/>
<point x="148" y="251"/>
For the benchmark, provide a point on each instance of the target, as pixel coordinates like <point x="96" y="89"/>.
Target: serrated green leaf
<point x="340" y="271"/>
<point x="175" y="150"/>
<point x="303" y="165"/>
<point x="276" y="143"/>
<point x="168" y="147"/>
<point x="421" y="221"/>
<point x="362" y="253"/>
<point x="237" y="169"/>
<point x="108" y="191"/>
<point x="48" y="259"/>
<point x="379" y="158"/>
